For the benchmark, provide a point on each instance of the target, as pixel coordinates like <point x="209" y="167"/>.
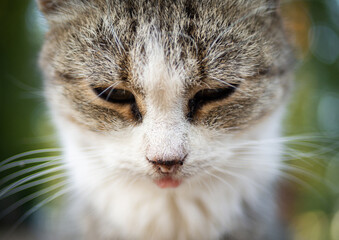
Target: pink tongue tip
<point x="168" y="182"/>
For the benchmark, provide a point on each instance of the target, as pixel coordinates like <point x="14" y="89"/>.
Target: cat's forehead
<point x="168" y="53"/>
<point x="195" y="40"/>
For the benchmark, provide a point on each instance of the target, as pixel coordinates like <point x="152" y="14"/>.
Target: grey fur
<point x="218" y="43"/>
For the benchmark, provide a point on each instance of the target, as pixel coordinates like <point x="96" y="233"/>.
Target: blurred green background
<point x="311" y="204"/>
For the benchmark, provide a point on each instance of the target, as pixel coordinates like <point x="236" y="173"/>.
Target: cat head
<point x="156" y="85"/>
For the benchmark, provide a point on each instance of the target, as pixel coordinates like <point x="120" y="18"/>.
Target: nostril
<point x="167" y="163"/>
<point x="166" y="166"/>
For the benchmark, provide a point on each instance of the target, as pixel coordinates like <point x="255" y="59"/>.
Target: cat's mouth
<point x="168" y="182"/>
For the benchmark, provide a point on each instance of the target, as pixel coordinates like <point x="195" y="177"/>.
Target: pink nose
<point x="167" y="166"/>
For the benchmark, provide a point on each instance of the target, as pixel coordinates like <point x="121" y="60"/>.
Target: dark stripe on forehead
<point x="190" y="9"/>
<point x="131" y="9"/>
<point x="124" y="66"/>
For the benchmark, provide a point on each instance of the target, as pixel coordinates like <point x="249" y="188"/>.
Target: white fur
<point x="164" y="122"/>
<point x="112" y="176"/>
<point x="115" y="182"/>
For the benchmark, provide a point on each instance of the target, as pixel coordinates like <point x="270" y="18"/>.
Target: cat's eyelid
<point x="115" y="95"/>
<point x="223" y="92"/>
<point x="209" y="95"/>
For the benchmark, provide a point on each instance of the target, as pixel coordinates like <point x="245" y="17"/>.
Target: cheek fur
<point x="124" y="153"/>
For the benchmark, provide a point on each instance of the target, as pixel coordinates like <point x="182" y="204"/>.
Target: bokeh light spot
<point x="324" y="43"/>
<point x="311" y="226"/>
<point x="36" y="24"/>
<point x="328" y="113"/>
<point x="335" y="226"/>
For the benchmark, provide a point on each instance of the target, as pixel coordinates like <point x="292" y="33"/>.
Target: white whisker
<point x="33" y="152"/>
<point x="36" y="208"/>
<point x="112" y="86"/>
<point x="220" y="179"/>
<point x="30" y="197"/>
<point x="28" y="170"/>
<point x="22" y="163"/>
<point x="35" y="183"/>
<point x="29" y="178"/>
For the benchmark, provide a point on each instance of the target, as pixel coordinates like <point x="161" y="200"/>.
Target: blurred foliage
<point x="314" y="110"/>
<point x="313" y="200"/>
<point x="24" y="123"/>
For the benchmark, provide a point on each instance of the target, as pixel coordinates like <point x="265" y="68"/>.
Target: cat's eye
<point x="113" y="95"/>
<point x="208" y="95"/>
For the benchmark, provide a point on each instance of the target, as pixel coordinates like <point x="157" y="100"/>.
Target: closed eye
<point x="113" y="95"/>
<point x="208" y="95"/>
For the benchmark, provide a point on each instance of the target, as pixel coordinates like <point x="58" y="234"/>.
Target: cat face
<point x="163" y="88"/>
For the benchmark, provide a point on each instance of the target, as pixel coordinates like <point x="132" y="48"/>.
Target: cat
<point x="166" y="111"/>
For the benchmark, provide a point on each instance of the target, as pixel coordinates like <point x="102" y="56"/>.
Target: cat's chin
<point x="167" y="182"/>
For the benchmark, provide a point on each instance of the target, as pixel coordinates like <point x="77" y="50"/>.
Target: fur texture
<point x="167" y="54"/>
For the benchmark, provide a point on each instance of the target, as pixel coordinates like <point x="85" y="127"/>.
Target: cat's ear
<point x="55" y="7"/>
<point x="274" y="5"/>
<point x="60" y="10"/>
<point x="50" y="6"/>
<point x="274" y="2"/>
